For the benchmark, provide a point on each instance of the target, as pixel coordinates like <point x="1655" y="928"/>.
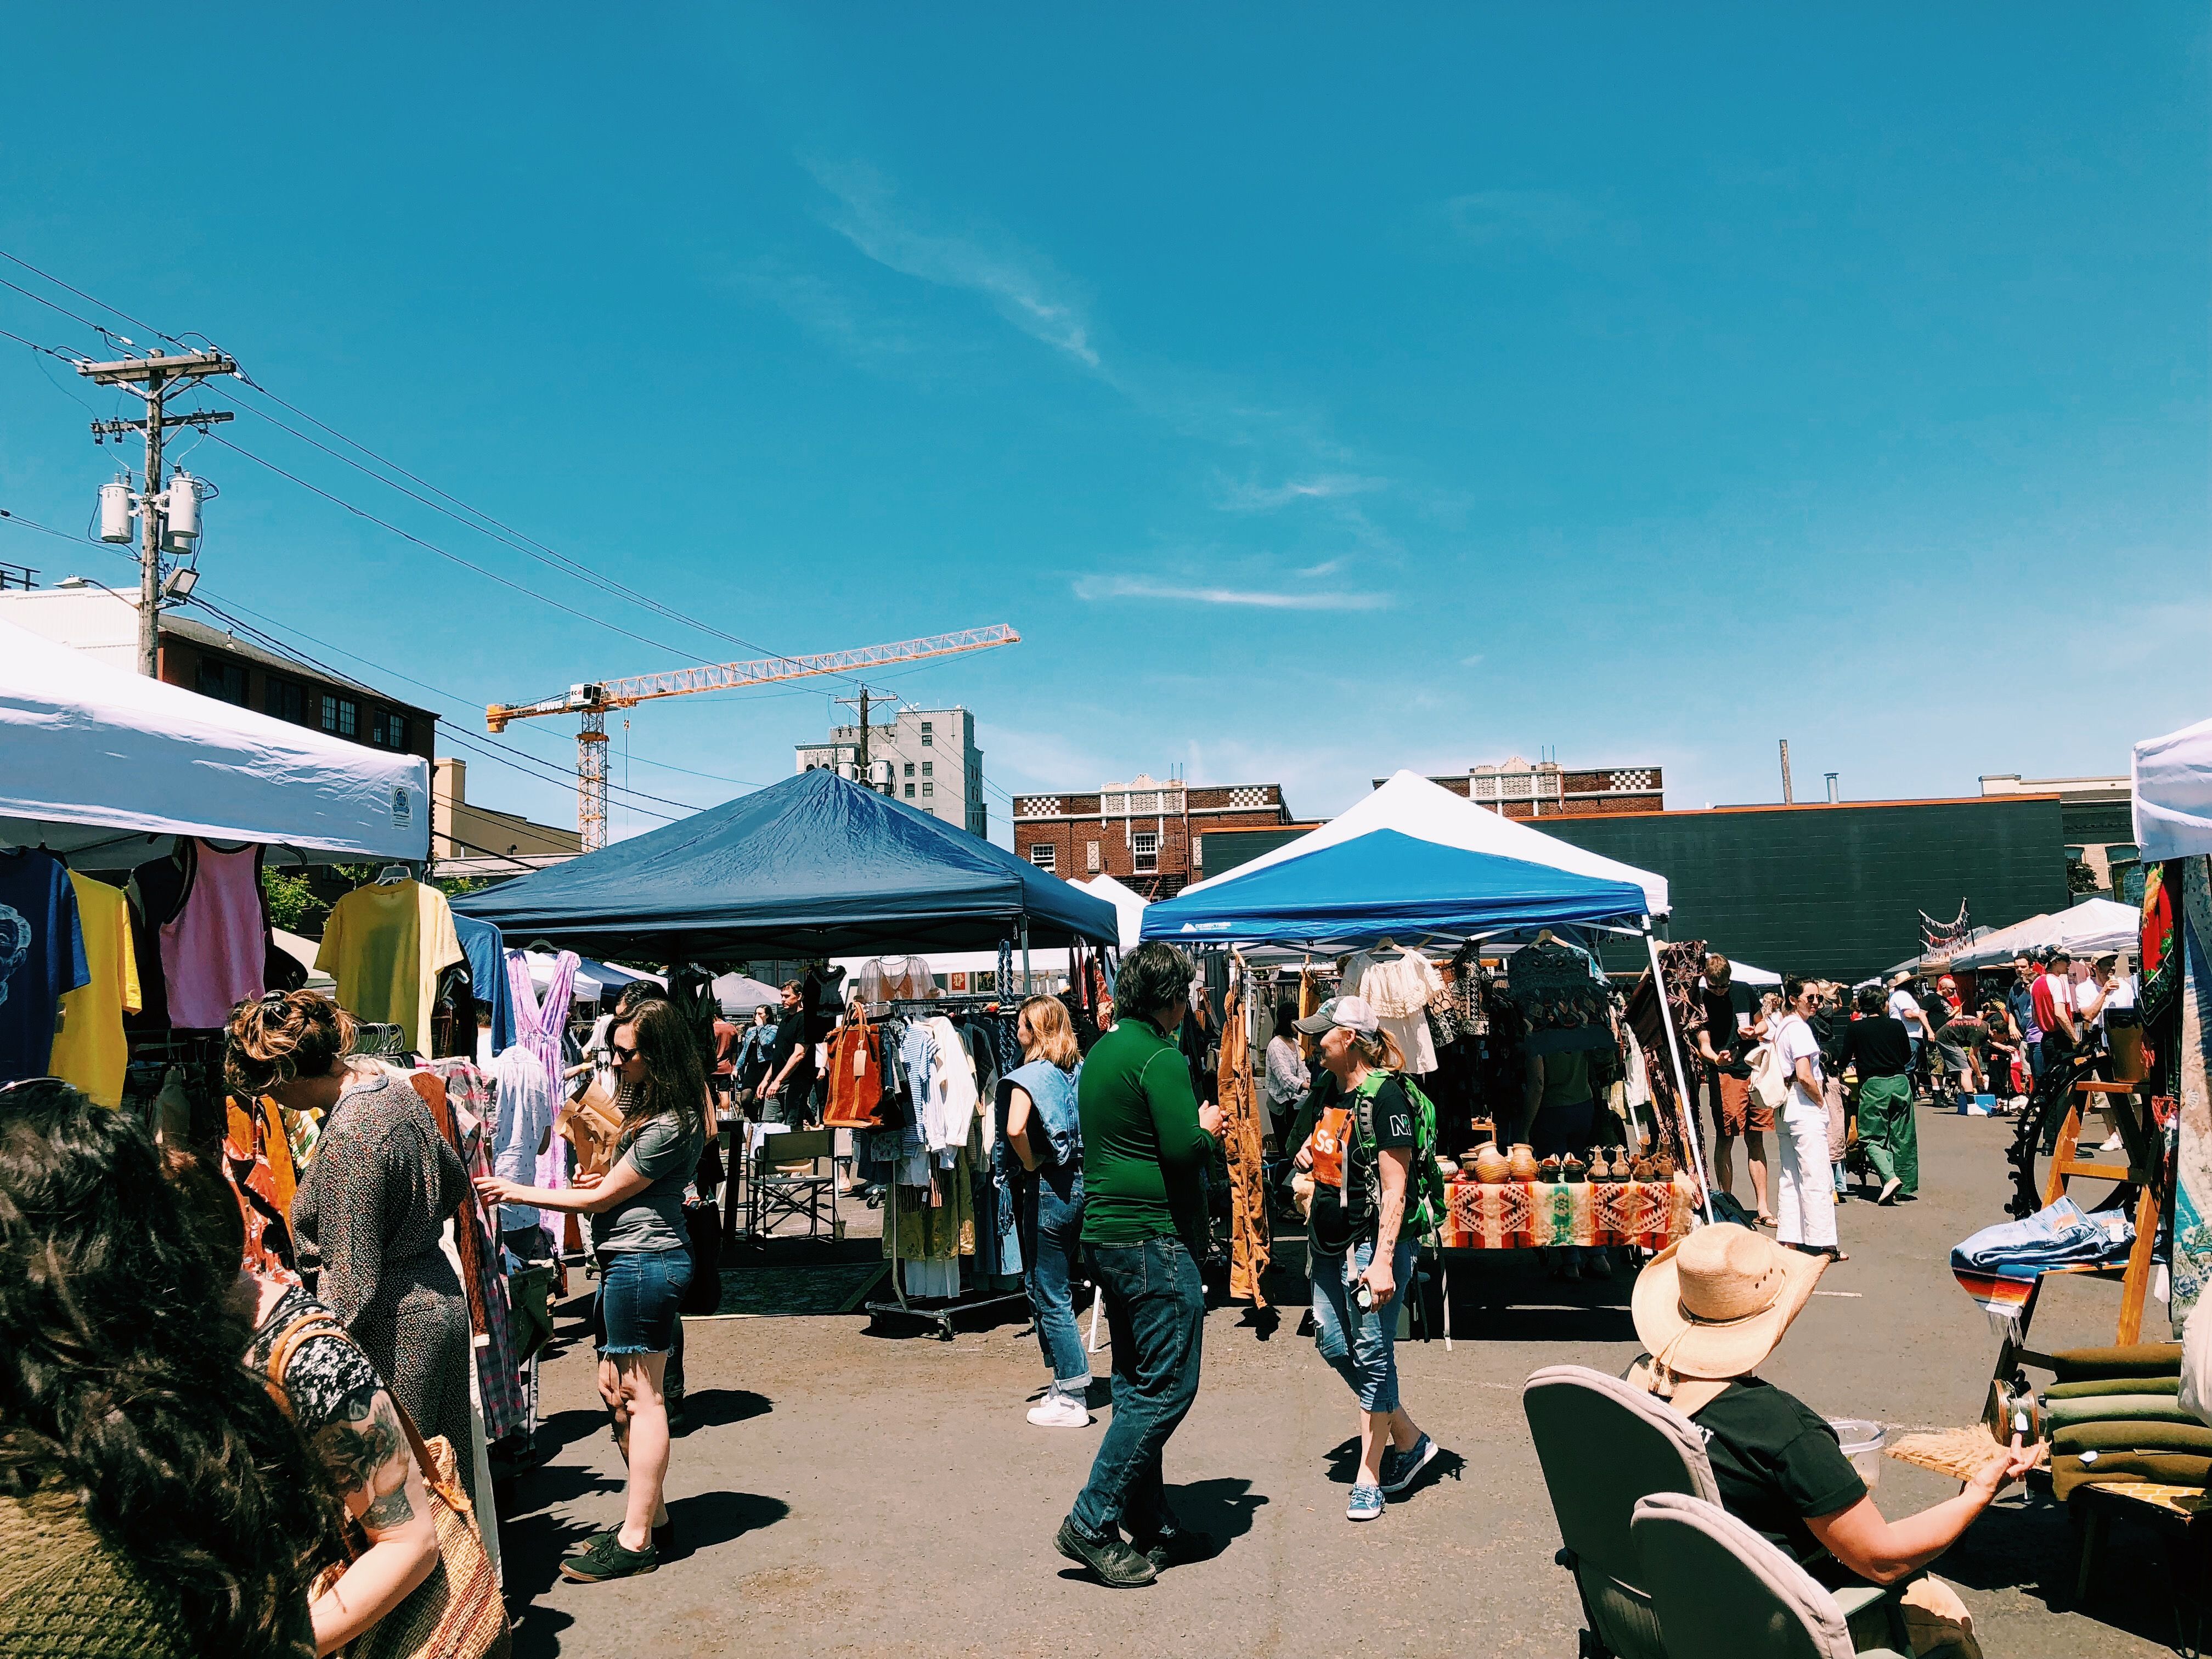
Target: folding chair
<point x="1719" y="1587"/>
<point x="774" y="1193"/>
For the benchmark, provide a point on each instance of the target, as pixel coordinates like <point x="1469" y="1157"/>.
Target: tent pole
<point x="1025" y="955"/>
<point x="1681" y="1084"/>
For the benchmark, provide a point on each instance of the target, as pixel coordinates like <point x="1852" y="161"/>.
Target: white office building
<point x="925" y="757"/>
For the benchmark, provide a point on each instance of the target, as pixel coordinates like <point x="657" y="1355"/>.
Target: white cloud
<point x="1489" y="217"/>
<point x="1026" y="292"/>
<point x="1469" y="662"/>
<point x="1265" y="599"/>
<point x="824" y="307"/>
<point x="1326" y="567"/>
<point x="1249" y="497"/>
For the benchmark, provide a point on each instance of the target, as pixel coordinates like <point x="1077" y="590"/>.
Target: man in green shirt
<point x="1146" y="1141"/>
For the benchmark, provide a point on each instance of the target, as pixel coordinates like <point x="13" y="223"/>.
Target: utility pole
<point x="151" y="378"/>
<point x="1787" y="797"/>
<point x="867" y="778"/>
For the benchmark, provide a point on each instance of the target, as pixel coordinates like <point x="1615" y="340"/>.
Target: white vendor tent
<point x="594" y="979"/>
<point x="2173" y="794"/>
<point x="93" y="760"/>
<point x="1744" y="974"/>
<point x="739" y="995"/>
<point x="1128" y="906"/>
<point x="1414" y="806"/>
<point x="2094" y="927"/>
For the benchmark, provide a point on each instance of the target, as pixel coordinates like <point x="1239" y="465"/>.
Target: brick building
<point x="1544" y="789"/>
<point x="1147" y="833"/>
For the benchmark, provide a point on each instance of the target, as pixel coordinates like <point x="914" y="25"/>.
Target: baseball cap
<point x="2060" y="953"/>
<point x="1351" y="1013"/>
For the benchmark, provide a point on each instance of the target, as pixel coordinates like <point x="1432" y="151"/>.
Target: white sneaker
<point x="1060" y="1410"/>
<point x="2115" y="1144"/>
<point x="1889" y="1190"/>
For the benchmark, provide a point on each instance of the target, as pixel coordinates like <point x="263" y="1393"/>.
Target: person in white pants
<point x="1805" y="1218"/>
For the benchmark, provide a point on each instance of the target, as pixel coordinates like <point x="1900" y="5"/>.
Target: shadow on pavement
<point x="714" y="1408"/>
<point x="2031" y="1547"/>
<point x="1222" y="1508"/>
<point x="708" y="1518"/>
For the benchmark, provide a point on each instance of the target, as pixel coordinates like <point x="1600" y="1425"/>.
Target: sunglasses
<point x="622" y="1056"/>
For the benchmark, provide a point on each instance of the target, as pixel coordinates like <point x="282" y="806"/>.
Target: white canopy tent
<point x="104" y="765"/>
<point x="594" y="979"/>
<point x="1744" y="974"/>
<point x="2093" y="927"/>
<point x="1128" y="905"/>
<point x="1411" y="805"/>
<point x="739" y="995"/>
<point x="2173" y="794"/>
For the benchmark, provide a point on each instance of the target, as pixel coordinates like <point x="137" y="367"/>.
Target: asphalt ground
<point x="844" y="1492"/>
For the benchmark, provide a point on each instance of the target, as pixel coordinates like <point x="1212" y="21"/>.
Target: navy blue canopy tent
<point x="813" y="865"/>
<point x="1389" y="884"/>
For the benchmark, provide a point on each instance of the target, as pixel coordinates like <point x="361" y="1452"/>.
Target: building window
<point x="929" y="740"/>
<point x="286" y="700"/>
<point x="1145" y="851"/>
<point x="388" y="730"/>
<point x="928" y="790"/>
<point x="910" y="792"/>
<point x="909" y="772"/>
<point x="925" y="767"/>
<point x="1044" y="855"/>
<point x="1091" y="856"/>
<point x="341" y="715"/>
<point x="223" y="681"/>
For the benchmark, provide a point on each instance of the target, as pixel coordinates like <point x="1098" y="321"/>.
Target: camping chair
<point x="1719" y="1587"/>
<point x="774" y="1193"/>
<point x="1603" y="1445"/>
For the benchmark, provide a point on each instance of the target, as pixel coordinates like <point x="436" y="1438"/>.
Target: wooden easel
<point x="2131" y="1114"/>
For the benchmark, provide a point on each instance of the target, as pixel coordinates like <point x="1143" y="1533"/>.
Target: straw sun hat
<point x="1713" y="1306"/>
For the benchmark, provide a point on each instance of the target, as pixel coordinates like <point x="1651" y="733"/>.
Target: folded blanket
<point x="2133" y="1437"/>
<point x="2136" y="1359"/>
<point x="2166" y="1385"/>
<point x="2117" y="1408"/>
<point x="2167" y="1468"/>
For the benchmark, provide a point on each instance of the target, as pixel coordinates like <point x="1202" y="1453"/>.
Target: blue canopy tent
<point x="1388" y="884"/>
<point x="813" y="865"/>
<point x="1349" y="893"/>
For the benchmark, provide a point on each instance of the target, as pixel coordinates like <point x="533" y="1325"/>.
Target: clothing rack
<point x="942" y="1317"/>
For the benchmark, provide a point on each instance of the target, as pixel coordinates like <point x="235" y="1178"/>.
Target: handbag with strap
<point x="457" y="1612"/>
<point x="856" y="1085"/>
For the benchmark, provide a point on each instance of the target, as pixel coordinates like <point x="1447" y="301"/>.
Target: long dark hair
<point x="120" y="1377"/>
<point x="674" y="1079"/>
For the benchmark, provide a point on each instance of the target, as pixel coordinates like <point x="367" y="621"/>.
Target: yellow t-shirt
<point x="90" y="1051"/>
<point x="385" y="944"/>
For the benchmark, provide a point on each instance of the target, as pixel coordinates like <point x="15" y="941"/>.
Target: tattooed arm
<point x="366" y="1453"/>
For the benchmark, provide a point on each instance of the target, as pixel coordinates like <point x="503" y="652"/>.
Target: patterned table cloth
<point x="1520" y="1214"/>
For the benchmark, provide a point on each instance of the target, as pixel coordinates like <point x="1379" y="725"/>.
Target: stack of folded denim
<point x="2061" y="1235"/>
<point x="2114" y="1414"/>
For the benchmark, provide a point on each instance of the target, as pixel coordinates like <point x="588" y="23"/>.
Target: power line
<point x="89" y="298"/>
<point x="53" y="304"/>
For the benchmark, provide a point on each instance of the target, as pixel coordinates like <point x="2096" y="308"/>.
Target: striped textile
<point x="1521" y="1214"/>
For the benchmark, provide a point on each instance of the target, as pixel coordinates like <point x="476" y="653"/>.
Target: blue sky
<point x="1316" y="395"/>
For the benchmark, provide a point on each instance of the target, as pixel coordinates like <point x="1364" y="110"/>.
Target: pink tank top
<point x="214" y="951"/>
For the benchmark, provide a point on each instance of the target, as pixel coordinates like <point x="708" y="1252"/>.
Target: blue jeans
<point x="1052" y="1242"/>
<point x="639" y="1291"/>
<point x="1156" y="1303"/>
<point x="1362" y="1346"/>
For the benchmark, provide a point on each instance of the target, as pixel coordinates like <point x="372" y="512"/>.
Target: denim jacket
<point x="1053" y="1092"/>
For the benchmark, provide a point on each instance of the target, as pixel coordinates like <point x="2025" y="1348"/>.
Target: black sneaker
<point x="1118" y="1566"/>
<point x="663" y="1540"/>
<point x="1179" y="1548"/>
<point x="605" y="1557"/>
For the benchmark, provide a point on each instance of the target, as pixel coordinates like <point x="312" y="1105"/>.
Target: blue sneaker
<point x="1366" y="1503"/>
<point x="1400" y="1469"/>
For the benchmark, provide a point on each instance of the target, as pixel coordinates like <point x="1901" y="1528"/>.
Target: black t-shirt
<point x="1879" y="1045"/>
<point x="1776" y="1463"/>
<point x="1341" y="1221"/>
<point x="790" y="1035"/>
<point x="1722" y="1004"/>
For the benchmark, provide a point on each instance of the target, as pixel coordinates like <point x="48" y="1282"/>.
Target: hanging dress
<point x="215" y="950"/>
<point x="537" y="1027"/>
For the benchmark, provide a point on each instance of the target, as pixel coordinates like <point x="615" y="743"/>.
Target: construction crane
<point x="591" y="701"/>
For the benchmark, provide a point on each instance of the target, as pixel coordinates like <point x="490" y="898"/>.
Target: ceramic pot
<point x="1549" y="1171"/>
<point x="1491" y="1166"/>
<point x="1521" y="1163"/>
<point x="1573" y="1168"/>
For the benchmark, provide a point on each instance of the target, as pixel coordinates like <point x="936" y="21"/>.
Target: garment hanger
<point x="391" y="874"/>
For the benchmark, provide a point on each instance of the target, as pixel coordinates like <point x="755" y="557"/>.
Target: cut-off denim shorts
<point x="640" y="1292"/>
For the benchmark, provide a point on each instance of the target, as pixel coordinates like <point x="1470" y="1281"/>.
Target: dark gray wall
<point x="1836" y="890"/>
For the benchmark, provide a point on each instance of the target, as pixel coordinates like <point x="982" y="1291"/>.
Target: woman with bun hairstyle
<point x="373" y="1205"/>
<point x="154" y="1504"/>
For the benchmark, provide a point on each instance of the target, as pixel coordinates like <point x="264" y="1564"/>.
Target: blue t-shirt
<point x="41" y="956"/>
